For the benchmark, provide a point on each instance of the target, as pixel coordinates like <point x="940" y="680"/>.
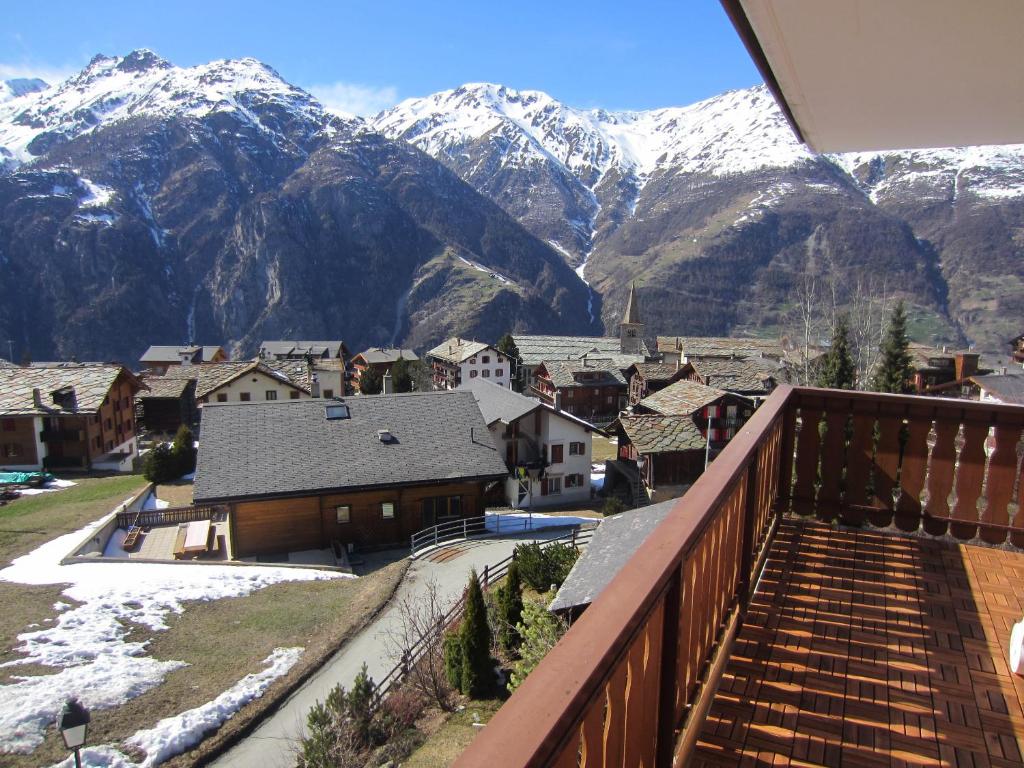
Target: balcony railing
<point x="62" y="435"/>
<point x="632" y="680"/>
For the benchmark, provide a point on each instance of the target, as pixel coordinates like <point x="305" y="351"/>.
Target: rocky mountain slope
<point x="145" y="203"/>
<point x="719" y="213"/>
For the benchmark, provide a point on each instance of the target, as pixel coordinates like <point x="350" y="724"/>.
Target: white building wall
<point x="257" y="384"/>
<point x="128" y="447"/>
<point x="489" y="364"/>
<point x="559" y="430"/>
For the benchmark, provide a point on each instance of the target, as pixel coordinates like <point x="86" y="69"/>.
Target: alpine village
<point x="692" y="436"/>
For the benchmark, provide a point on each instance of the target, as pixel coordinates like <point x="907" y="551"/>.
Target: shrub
<point x="475" y="636"/>
<point x="399" y="712"/>
<point x="183" y="449"/>
<point x="540" y="630"/>
<point x="612" y="506"/>
<point x="160" y="465"/>
<point x="510" y="609"/>
<point x="371" y="382"/>
<point x="453" y="659"/>
<point x="542" y="567"/>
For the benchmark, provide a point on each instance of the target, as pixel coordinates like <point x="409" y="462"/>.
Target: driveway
<point x="273" y="743"/>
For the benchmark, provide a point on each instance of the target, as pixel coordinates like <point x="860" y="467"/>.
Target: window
<point x="441" y="508"/>
<point x="244" y="397"/>
<point x="557" y="453"/>
<point x="387" y="510"/>
<point x="110" y="445"/>
<point x="501" y="359"/>
<point x="128" y="424"/>
<point x="574" y="481"/>
<point x="328" y="393"/>
<point x="577" y="449"/>
<point x="337" y="412"/>
<point x="486" y="358"/>
<point x="472" y="374"/>
<point x="293" y="395"/>
<point x="554" y="486"/>
<point x="222" y="397"/>
<point x="597" y="391"/>
<point x="730" y="411"/>
<point x="8" y="425"/>
<point x="343" y="514"/>
<point x="271" y="394"/>
<point x="487" y="373"/>
<point x="498" y="373"/>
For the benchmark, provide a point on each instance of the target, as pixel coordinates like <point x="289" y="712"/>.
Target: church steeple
<point x="631" y="329"/>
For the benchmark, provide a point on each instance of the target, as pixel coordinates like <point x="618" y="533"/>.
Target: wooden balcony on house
<point x="837" y="589"/>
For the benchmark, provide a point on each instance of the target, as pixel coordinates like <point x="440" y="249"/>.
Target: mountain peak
<point x="141" y="60"/>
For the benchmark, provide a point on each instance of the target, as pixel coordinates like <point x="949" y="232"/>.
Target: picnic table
<point x="197" y="537"/>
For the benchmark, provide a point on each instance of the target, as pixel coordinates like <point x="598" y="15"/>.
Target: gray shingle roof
<point x="616" y="540"/>
<point x="456" y="350"/>
<point x="684" y="398"/>
<point x="376" y="355"/>
<point x="655" y="371"/>
<point x="213" y="376"/>
<point x="91" y="384"/>
<point x="297" y="348"/>
<point x="577" y="373"/>
<point x="162" y="387"/>
<point x="720" y="346"/>
<point x="1007" y="388"/>
<point x="169" y="353"/>
<point x="289" y="447"/>
<point x="533" y="350"/>
<point x="499" y="403"/>
<point x="662" y="434"/>
<point x="752" y="376"/>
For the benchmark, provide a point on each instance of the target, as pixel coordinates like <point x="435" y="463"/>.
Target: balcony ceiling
<point x="878" y="74"/>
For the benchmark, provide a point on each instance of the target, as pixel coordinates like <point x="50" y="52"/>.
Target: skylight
<point x="337" y="411"/>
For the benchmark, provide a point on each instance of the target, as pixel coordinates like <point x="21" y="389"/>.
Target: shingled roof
<point x="457" y="350"/>
<point x="655" y="372"/>
<point x="377" y="355"/>
<point x="1007" y="388"/>
<point x="533" y="350"/>
<point x="498" y="403"/>
<point x="290" y="447"/>
<point x="163" y="387"/>
<point x="299" y="348"/>
<point x="91" y="383"/>
<point x="684" y="398"/>
<point x="753" y="376"/>
<point x="213" y="376"/>
<point x="169" y="353"/>
<point x="662" y="434"/>
<point x="721" y="346"/>
<point x="569" y="373"/>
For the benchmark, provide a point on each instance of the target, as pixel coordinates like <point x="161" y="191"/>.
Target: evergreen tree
<point x="371" y="382"/>
<point x="183" y="449"/>
<point x="895" y="371"/>
<point x="510" y="609"/>
<point x="160" y="465"/>
<point x="540" y="630"/>
<point x="401" y="375"/>
<point x="475" y="637"/>
<point x="837" y="368"/>
<point x="453" y="659"/>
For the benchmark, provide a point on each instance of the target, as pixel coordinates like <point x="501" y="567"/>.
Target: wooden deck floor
<point x="867" y="649"/>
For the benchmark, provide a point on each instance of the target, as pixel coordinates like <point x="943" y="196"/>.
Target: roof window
<point x="337" y="411"/>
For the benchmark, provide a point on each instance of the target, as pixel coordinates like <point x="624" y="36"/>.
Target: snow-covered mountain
<point x="20" y="86"/>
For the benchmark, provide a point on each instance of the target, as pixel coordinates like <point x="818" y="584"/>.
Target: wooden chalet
<point x="359" y="473"/>
<point x="592" y="389"/>
<point x="647" y="378"/>
<point x="68" y="416"/>
<point x="246" y="381"/>
<point x="166" y="404"/>
<point x="379" y="359"/>
<point x="942" y="371"/>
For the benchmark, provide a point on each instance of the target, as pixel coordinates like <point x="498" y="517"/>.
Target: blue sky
<point x="364" y="56"/>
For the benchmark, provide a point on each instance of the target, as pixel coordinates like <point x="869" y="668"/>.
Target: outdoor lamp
<point x="73" y="722"/>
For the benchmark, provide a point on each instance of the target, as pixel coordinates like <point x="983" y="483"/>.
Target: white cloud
<point x="51" y="74"/>
<point x="351" y="99"/>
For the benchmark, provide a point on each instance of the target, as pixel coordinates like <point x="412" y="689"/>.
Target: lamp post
<point x="73" y="723"/>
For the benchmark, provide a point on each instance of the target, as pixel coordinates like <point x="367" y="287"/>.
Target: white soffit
<point x="884" y="74"/>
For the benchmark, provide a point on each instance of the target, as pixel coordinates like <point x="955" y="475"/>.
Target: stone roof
<point x="499" y="403"/>
<point x="752" y="376"/>
<point x="683" y="398"/>
<point x="616" y="540"/>
<point x="300" y="348"/>
<point x="377" y="355"/>
<point x="165" y="353"/>
<point x="290" y="447"/>
<point x="456" y="350"/>
<point x="921" y="356"/>
<point x="533" y="350"/>
<point x="655" y="371"/>
<point x="91" y="383"/>
<point x="213" y="376"/>
<point x="568" y="373"/>
<point x="163" y="387"/>
<point x="721" y="346"/>
<point x="662" y="434"/>
<point x="1007" y="388"/>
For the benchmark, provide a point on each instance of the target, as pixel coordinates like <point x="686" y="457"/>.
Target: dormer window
<point x="337" y="411"/>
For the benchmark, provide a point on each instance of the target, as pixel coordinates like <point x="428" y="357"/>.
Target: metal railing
<point x="171" y="515"/>
<point x="467" y="527"/>
<point x="632" y="680"/>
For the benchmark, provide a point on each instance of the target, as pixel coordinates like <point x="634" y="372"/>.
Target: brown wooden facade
<point x="315" y="522"/>
<point x="18" y="441"/>
<point x="597" y="404"/>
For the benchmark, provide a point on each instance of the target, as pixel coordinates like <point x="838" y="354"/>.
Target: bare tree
<point x="418" y="639"/>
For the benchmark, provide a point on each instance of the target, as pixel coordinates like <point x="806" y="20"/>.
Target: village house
<point x="647" y="378"/>
<point x="753" y="377"/>
<point x="457" y="360"/>
<point x="61" y="416"/>
<point x="1017" y="349"/>
<point x="626" y="349"/>
<point x="245" y="381"/>
<point x="159" y="358"/>
<point x="379" y="359"/>
<point x="547" y="451"/>
<point x="681" y="349"/>
<point x="998" y="388"/>
<point x="942" y="371"/>
<point x="166" y="404"/>
<point x="360" y="473"/>
<point x="329" y="362"/>
<point x="590" y="389"/>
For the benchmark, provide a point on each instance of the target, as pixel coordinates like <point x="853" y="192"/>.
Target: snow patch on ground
<point x="530" y="522"/>
<point x="53" y="485"/>
<point x="88" y="641"/>
<point x="482" y="268"/>
<point x="96" y="195"/>
<point x="152" y="502"/>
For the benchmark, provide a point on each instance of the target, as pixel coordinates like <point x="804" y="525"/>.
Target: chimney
<point x="185" y="357"/>
<point x="388" y="387"/>
<point x="677" y="366"/>
<point x="1003" y="371"/>
<point x="37" y="397"/>
<point x="558" y="400"/>
<point x="314" y="386"/>
<point x="384" y="435"/>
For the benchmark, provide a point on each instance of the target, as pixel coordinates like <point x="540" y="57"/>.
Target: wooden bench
<point x="132" y="538"/>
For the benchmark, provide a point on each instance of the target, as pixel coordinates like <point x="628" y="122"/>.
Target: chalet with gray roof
<point x="593" y="389"/>
<point x="1000" y="388"/>
<point x="68" y="416"/>
<point x="753" y="377"/>
<point x="359" y="472"/>
<point x="457" y="360"/>
<point x="547" y="452"/>
<point x="379" y="359"/>
<point x="159" y="358"/>
<point x="647" y="378"/>
<point x="246" y="381"/>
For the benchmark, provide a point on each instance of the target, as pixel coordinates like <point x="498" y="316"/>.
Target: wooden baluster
<point x="940" y="473"/>
<point x="969" y="478"/>
<point x="1017" y="537"/>
<point x="615" y="720"/>
<point x="808" y="452"/>
<point x="785" y="451"/>
<point x="570" y="755"/>
<point x="635" y="699"/>
<point x="647" y="732"/>
<point x="593" y="732"/>
<point x="859" y="465"/>
<point x="914" y="468"/>
<point x="887" y="463"/>
<point x="1002" y="472"/>
<point x="833" y="460"/>
<point x="686" y="637"/>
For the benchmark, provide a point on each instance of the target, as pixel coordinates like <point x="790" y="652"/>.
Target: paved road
<point x="272" y="744"/>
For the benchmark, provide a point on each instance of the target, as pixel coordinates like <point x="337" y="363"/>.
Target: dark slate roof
<point x="616" y="540"/>
<point x="655" y="371"/>
<point x="91" y="383"/>
<point x="376" y="355"/>
<point x="165" y="353"/>
<point x="662" y="434"/>
<point x="299" y="348"/>
<point x="1007" y="388"/>
<point x="499" y="403"/>
<point x="162" y="387"/>
<point x="684" y="398"/>
<point x="289" y="447"/>
<point x="213" y="376"/>
<point x="752" y="376"/>
<point x="720" y="346"/>
<point x="583" y="373"/>
<point x="533" y="350"/>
